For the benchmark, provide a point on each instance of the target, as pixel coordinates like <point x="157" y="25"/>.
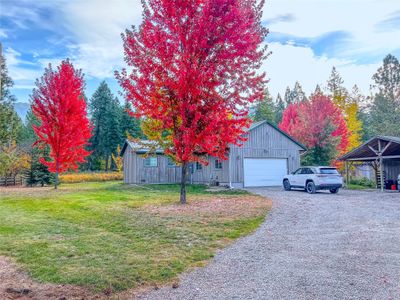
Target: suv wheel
<point x="286" y="185"/>
<point x="334" y="191"/>
<point x="310" y="187"/>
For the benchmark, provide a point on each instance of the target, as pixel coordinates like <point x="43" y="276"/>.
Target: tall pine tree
<point x="298" y="94"/>
<point x="38" y="173"/>
<point x="385" y="109"/>
<point x="10" y="123"/>
<point x="279" y="108"/>
<point x="130" y="127"/>
<point x="265" y="110"/>
<point x="105" y="114"/>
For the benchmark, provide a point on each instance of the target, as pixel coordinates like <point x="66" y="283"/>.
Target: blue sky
<point x="306" y="37"/>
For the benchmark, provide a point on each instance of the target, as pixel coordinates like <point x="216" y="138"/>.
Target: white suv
<point x="314" y="178"/>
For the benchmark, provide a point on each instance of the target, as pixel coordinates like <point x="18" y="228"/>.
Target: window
<point x="171" y="163"/>
<point x="199" y="166"/>
<point x="150" y="161"/>
<point x="331" y="171"/>
<point x="218" y="164"/>
<point x="307" y="171"/>
<point x="298" y="171"/>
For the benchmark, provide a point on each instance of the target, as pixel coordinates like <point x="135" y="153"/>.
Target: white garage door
<point x="264" y="171"/>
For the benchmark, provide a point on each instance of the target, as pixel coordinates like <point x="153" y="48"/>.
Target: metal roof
<point x="138" y="147"/>
<point x="390" y="145"/>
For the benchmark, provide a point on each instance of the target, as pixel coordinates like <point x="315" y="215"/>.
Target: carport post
<point x="380" y="163"/>
<point x="347" y="173"/>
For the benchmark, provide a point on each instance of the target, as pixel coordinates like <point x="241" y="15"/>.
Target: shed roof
<point x="390" y="148"/>
<point x="140" y="149"/>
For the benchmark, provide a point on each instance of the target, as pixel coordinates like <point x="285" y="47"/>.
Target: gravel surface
<point x="322" y="246"/>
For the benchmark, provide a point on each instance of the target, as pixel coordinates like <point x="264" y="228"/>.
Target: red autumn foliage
<point x="58" y="104"/>
<point x="193" y="65"/>
<point x="316" y="123"/>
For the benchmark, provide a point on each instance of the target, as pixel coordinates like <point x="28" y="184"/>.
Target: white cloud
<point x="313" y="18"/>
<point x="289" y="64"/>
<point x="97" y="26"/>
<point x="17" y="66"/>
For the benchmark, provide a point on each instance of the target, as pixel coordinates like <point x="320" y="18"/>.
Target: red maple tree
<point x="194" y="73"/>
<point x="319" y="125"/>
<point x="59" y="105"/>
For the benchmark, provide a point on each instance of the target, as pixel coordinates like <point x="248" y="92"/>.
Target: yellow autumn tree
<point x="349" y="107"/>
<point x="13" y="160"/>
<point x="354" y="125"/>
<point x="117" y="159"/>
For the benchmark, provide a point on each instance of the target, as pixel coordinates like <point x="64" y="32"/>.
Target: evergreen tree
<point x="298" y="94"/>
<point x="265" y="110"/>
<point x="113" y="134"/>
<point x="385" y="109"/>
<point x="288" y="98"/>
<point x="387" y="79"/>
<point x="363" y="113"/>
<point x="38" y="173"/>
<point x="10" y="123"/>
<point x="318" y="90"/>
<point x="106" y="117"/>
<point x="384" y="117"/>
<point x="130" y="126"/>
<point x="335" y="84"/>
<point x="279" y="108"/>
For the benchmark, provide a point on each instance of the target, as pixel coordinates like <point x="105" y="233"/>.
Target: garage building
<point x="263" y="160"/>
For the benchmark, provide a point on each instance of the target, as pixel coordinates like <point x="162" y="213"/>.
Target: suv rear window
<point x="328" y="171"/>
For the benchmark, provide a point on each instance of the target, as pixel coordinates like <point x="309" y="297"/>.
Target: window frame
<point x="171" y="163"/>
<point x="149" y="159"/>
<point x="217" y="164"/>
<point x="199" y="166"/>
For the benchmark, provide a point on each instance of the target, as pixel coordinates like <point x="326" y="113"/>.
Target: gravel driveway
<point x="322" y="246"/>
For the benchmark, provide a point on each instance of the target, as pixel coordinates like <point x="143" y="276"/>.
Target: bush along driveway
<point x="321" y="246"/>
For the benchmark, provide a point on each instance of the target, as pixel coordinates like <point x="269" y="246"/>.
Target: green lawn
<point x="102" y="235"/>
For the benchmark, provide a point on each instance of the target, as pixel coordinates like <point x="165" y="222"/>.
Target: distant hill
<point x="21" y="108"/>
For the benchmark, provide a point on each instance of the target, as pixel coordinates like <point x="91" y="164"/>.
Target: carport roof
<point x="390" y="148"/>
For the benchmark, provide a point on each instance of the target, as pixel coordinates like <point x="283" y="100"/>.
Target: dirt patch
<point x="219" y="206"/>
<point x="16" y="284"/>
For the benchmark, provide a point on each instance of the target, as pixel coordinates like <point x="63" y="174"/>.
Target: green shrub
<point x="363" y="181"/>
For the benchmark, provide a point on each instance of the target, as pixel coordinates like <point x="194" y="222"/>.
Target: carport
<point x="382" y="153"/>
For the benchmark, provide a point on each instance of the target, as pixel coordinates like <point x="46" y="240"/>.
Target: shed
<point x="382" y="153"/>
<point x="263" y="160"/>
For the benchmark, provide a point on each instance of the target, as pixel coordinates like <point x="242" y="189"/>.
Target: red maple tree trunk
<point x="183" y="183"/>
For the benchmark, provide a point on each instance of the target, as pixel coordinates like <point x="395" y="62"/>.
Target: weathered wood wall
<point x="263" y="141"/>
<point x="136" y="172"/>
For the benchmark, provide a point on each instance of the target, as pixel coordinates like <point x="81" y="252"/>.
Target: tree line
<point x="333" y="120"/>
<point x="329" y="122"/>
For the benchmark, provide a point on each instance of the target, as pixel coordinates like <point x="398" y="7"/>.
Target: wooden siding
<point x="392" y="168"/>
<point x="136" y="172"/>
<point x="208" y="173"/>
<point x="263" y="141"/>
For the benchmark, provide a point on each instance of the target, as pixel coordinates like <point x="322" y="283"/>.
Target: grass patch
<point x="106" y="234"/>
